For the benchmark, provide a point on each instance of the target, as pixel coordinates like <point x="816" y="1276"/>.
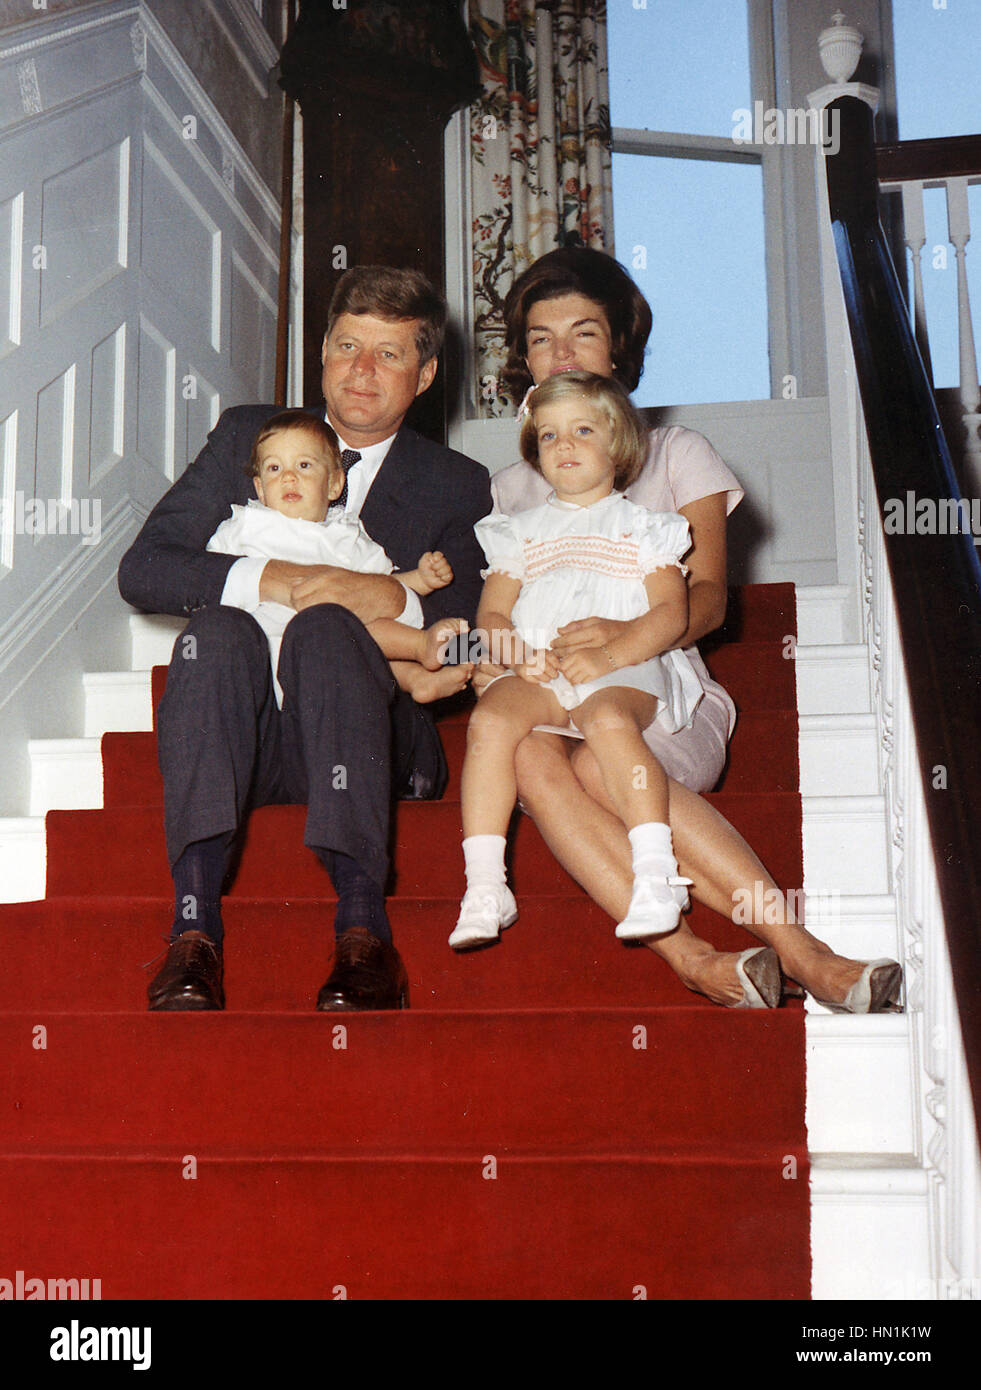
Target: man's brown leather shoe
<point x="191" y="976"/>
<point x="367" y="974"/>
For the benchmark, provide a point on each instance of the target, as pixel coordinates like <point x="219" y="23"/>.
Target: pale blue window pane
<point x="699" y="226"/>
<point x="680" y="65"/>
<point x="938" y="77"/>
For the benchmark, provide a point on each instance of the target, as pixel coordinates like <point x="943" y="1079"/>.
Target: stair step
<point x="23" y="859"/>
<point x="152" y="637"/>
<point x="824" y="613"/>
<point x="860" y="1084"/>
<point x="118" y="700"/>
<point x="757" y="675"/>
<point x="846" y="848"/>
<point x="839" y="755"/>
<point x="758" y="612"/>
<point x="562" y="1082"/>
<point x="65" y="773"/>
<point x="507" y="1228"/>
<point x="762" y="757"/>
<point x="97" y="955"/>
<point x="121" y="851"/>
<point x="832" y="680"/>
<point x="872" y="1235"/>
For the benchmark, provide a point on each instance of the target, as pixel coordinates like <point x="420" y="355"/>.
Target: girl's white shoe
<point x="483" y="912"/>
<point x="655" y="907"/>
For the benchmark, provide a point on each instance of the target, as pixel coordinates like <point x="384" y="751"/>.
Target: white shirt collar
<point x="361" y="477"/>
<point x="554" y="501"/>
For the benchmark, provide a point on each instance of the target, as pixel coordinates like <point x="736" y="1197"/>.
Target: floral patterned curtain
<point x="540" y="153"/>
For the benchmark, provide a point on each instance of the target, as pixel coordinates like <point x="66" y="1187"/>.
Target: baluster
<point x="914" y="234"/>
<point x="959" y="231"/>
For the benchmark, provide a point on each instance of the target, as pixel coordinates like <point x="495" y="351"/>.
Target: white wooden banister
<point x="959" y="234"/>
<point x="914" y="230"/>
<point x="959" y="231"/>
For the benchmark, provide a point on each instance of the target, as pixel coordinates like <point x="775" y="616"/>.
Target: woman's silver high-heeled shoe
<point x="759" y="974"/>
<point x="876" y="991"/>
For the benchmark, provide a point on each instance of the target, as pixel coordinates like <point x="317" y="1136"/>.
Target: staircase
<point x="555" y="1118"/>
<point x="870" y="1218"/>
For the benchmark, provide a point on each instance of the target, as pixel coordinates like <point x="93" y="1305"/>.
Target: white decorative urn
<point x="841" y="48"/>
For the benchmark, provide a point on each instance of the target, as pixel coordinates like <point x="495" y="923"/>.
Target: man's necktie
<point x="349" y="457"/>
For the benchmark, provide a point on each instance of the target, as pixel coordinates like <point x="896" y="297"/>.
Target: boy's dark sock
<point x="198" y="878"/>
<point x="360" y="900"/>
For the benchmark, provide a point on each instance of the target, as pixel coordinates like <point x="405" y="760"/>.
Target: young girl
<point x="587" y="552"/>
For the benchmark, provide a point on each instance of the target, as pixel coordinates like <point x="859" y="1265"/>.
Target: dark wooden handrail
<point x="936" y="579"/>
<point x="923" y="160"/>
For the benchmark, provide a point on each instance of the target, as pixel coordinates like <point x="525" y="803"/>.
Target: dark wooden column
<point x="376" y="80"/>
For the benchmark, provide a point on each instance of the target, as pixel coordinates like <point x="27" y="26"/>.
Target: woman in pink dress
<point x="577" y="309"/>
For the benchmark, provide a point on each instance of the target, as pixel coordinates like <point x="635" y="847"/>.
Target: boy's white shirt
<point x="264" y="534"/>
<point x="242" y="581"/>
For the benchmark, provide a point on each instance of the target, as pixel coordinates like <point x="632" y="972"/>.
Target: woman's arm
<point x="706" y="560"/>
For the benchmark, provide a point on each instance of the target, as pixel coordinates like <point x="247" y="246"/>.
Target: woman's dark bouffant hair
<point x="597" y="276"/>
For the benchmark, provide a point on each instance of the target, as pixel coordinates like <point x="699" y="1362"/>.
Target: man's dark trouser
<point x="346" y="740"/>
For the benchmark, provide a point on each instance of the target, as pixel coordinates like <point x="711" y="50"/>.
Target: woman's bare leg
<point x="727" y="874"/>
<point x="589" y="841"/>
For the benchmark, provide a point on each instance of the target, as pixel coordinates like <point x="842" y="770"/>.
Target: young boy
<point x="296" y="468"/>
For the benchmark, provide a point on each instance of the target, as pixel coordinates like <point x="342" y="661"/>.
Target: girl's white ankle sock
<point x="483" y="856"/>
<point x="652" y="849"/>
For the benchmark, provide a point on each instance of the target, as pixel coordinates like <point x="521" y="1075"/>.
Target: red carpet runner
<point x="555" y="1118"/>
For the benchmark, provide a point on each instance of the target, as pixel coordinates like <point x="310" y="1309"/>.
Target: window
<point x="688" y="198"/>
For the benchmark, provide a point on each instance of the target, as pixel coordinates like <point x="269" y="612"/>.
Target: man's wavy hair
<point x="295" y="420"/>
<point x="628" y="432"/>
<point x="597" y="276"/>
<point x="393" y="295"/>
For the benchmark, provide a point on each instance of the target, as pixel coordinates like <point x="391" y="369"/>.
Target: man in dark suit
<point x="224" y="745"/>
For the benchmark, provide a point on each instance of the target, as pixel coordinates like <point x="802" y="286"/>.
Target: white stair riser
<point x="845" y="845"/>
<point x="870" y="1245"/>
<point x="832" y="680"/>
<point x="117" y="701"/>
<point x="859" y="1085"/>
<point x="839" y="755"/>
<point x="66" y="774"/>
<point x="823" y="613"/>
<point x="152" y="639"/>
<point x="23" y="861"/>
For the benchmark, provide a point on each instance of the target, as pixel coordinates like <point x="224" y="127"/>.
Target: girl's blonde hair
<point x="628" y="432"/>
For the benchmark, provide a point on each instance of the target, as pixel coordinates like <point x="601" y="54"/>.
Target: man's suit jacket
<point x="424" y="497"/>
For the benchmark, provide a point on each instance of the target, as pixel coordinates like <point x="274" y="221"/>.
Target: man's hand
<point x="367" y="596"/>
<point x="586" y="664"/>
<point x="586" y="632"/>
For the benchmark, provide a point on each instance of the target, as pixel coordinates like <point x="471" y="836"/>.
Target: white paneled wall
<point x="138" y="267"/>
